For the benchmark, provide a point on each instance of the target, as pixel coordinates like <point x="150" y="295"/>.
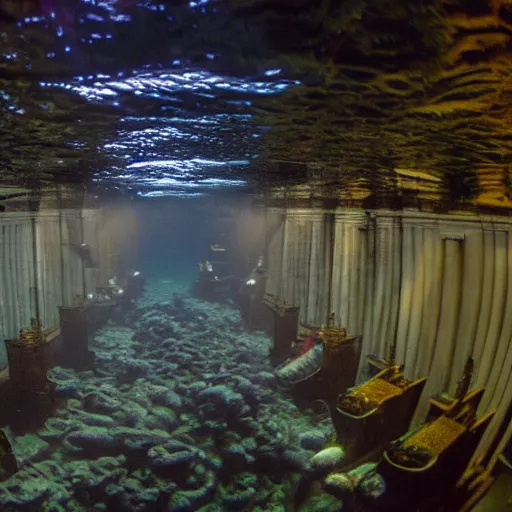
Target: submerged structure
<point x="314" y="362"/>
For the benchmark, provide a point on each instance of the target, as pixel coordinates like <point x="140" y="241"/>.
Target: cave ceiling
<point x="153" y="96"/>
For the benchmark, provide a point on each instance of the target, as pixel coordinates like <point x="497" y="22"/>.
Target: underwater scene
<point x="255" y="255"/>
<point x="215" y="353"/>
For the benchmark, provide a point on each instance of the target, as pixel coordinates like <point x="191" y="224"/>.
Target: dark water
<point x="220" y="221"/>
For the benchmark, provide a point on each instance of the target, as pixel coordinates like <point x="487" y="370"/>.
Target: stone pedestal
<point x="424" y="469"/>
<point x="254" y="313"/>
<point x="339" y="364"/>
<point x="285" y="319"/>
<point x="26" y="397"/>
<point x="368" y="417"/>
<point x="28" y="364"/>
<point x="74" y="326"/>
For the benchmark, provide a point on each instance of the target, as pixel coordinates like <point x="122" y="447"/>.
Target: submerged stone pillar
<point x="74" y="327"/>
<point x="28" y="363"/>
<point x="27" y="397"/>
<point x="339" y="363"/>
<point x="285" y="319"/>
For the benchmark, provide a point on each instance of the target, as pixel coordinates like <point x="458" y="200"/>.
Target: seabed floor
<point x="181" y="412"/>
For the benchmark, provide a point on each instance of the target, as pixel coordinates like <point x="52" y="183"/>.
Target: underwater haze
<point x="180" y="408"/>
<point x="255" y="255"/>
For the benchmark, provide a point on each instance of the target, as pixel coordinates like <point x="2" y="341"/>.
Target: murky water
<point x="199" y="353"/>
<point x="254" y="256"/>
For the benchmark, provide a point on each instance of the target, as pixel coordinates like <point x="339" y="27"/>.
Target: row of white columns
<point x="430" y="290"/>
<point x="56" y="265"/>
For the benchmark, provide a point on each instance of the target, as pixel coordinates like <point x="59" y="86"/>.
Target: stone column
<point x="317" y="307"/>
<point x="417" y="304"/>
<point x="486" y="295"/>
<point x="387" y="282"/>
<point x="406" y="293"/>
<point x="502" y="367"/>
<point x="348" y="270"/>
<point x="472" y="274"/>
<point x="499" y="294"/>
<point x="274" y="259"/>
<point x="448" y="320"/>
<point x="432" y="307"/>
<point x="49" y="284"/>
<point x="368" y="247"/>
<point x="296" y="258"/>
<point x="72" y="263"/>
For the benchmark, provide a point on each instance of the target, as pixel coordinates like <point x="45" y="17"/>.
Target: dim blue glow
<point x="180" y="164"/>
<point x="67" y="49"/>
<point x="123" y="18"/>
<point x="163" y="85"/>
<point x="272" y="72"/>
<point x="107" y="92"/>
<point x="95" y="17"/>
<point x="60" y="31"/>
<point x="169" y="193"/>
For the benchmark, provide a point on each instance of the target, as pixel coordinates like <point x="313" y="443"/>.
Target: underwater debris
<point x="328" y="458"/>
<point x="302" y="367"/>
